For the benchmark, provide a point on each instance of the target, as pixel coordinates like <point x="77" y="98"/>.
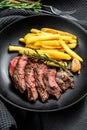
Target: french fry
<point x="48" y="43"/>
<point x="32" y="39"/>
<point x="70" y="52"/>
<point x="73" y="41"/>
<point x="72" y="46"/>
<point x="54" y="31"/>
<point x="58" y="49"/>
<point x="32" y="46"/>
<point x="38" y="32"/>
<point x="22" y="40"/>
<point x="55" y="54"/>
<point x="53" y="44"/>
<point x="34" y="30"/>
<point x="28" y="35"/>
<point x="16" y="48"/>
<point x="51" y="53"/>
<point x="52" y="47"/>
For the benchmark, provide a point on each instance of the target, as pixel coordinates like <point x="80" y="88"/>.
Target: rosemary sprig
<point x="35" y="6"/>
<point x="47" y="60"/>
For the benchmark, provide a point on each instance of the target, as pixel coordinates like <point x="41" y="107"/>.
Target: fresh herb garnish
<point x="35" y="6"/>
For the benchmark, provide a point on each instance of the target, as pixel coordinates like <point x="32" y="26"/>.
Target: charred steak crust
<point x="38" y="79"/>
<point x="64" y="80"/>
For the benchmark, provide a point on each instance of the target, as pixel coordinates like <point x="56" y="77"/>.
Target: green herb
<point x="47" y="60"/>
<point x="35" y="6"/>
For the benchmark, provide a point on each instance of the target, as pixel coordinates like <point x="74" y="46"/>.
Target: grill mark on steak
<point x="40" y="72"/>
<point x="67" y="81"/>
<point x="51" y="84"/>
<point x="18" y="75"/>
<point x="30" y="81"/>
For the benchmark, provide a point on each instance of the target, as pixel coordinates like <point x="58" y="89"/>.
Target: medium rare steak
<point x="19" y="72"/>
<point x="38" y="79"/>
<point x="51" y="84"/>
<point x="13" y="64"/>
<point x="31" y="81"/>
<point x="40" y="72"/>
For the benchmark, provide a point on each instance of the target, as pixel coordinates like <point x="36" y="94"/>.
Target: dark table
<point x="73" y="118"/>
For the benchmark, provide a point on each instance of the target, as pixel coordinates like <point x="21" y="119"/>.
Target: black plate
<point x="12" y="33"/>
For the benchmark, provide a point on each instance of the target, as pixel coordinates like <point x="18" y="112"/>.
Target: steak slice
<point x="60" y="82"/>
<point x="18" y="75"/>
<point x="13" y="64"/>
<point x="30" y="81"/>
<point x="40" y="72"/>
<point x="51" y="84"/>
<point x="67" y="81"/>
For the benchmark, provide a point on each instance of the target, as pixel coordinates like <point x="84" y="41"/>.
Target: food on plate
<point x="38" y="79"/>
<point x="76" y="65"/>
<point x="55" y="54"/>
<point x="70" y="52"/>
<point x="54" y="43"/>
<point x="43" y="65"/>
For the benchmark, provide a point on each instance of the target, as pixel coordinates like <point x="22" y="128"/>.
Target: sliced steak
<point x="30" y="81"/>
<point x="40" y="72"/>
<point x="60" y="82"/>
<point x="18" y="75"/>
<point x="51" y="84"/>
<point x="38" y="79"/>
<point x="13" y="64"/>
<point x="65" y="79"/>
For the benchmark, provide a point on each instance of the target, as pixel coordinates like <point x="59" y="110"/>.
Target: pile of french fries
<point x="54" y="43"/>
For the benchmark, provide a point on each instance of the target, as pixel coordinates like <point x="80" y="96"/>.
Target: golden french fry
<point x="21" y="50"/>
<point x="70" y="52"/>
<point x="58" y="49"/>
<point x="52" y="47"/>
<point x="47" y="43"/>
<point x="29" y="40"/>
<point x="72" y="45"/>
<point x="55" y="54"/>
<point x="28" y="35"/>
<point x="34" y="30"/>
<point x="51" y="53"/>
<point x="54" y="31"/>
<point x="22" y="40"/>
<point x="15" y="48"/>
<point x="73" y="41"/>
<point x="32" y="46"/>
<point x="38" y="32"/>
<point x="53" y="44"/>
